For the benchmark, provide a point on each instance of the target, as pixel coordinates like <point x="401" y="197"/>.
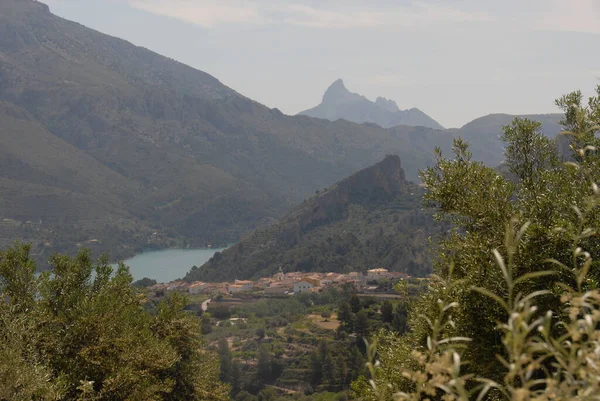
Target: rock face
<point x="387" y="104"/>
<point x="373" y="217"/>
<point x="371" y="186"/>
<point x="338" y="102"/>
<point x="337" y="93"/>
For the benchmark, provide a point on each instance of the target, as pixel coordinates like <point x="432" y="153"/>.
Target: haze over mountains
<point x="111" y="146"/>
<point x="338" y="102"/>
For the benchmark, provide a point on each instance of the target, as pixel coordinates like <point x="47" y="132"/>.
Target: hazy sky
<point x="454" y="59"/>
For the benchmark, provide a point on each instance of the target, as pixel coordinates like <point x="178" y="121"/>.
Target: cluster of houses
<point x="284" y="283"/>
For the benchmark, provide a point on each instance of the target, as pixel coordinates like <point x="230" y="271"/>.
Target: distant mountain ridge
<point x="373" y="218"/>
<point x="338" y="102"/>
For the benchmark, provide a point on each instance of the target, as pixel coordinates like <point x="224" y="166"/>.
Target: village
<point x="284" y="284"/>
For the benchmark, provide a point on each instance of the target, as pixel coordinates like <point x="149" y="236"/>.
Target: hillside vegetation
<point x="373" y="218"/>
<point x="83" y="333"/>
<point x="304" y="348"/>
<point x="514" y="308"/>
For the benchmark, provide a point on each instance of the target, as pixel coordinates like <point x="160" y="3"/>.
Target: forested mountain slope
<point x="373" y="218"/>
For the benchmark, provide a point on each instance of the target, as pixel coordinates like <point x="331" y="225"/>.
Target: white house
<point x="302" y="286"/>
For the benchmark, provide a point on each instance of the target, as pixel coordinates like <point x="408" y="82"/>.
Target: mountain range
<point x="111" y="146"/>
<point x="338" y="102"/>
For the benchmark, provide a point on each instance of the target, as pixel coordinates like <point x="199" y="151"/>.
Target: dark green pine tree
<point x="316" y="368"/>
<point x="387" y="311"/>
<point x="236" y="377"/>
<point x="345" y="315"/>
<point x="355" y="305"/>
<point x="263" y="366"/>
<point x="361" y="324"/>
<point x="225" y="357"/>
<point x="399" y="320"/>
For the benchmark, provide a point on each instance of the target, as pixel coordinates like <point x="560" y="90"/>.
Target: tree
<point x="348" y="289"/>
<point x="356" y="363"/>
<point x="323" y="348"/>
<point x="399" y="321"/>
<point x="236" y="377"/>
<point x="77" y="335"/>
<point x="316" y="368"/>
<point x="196" y="371"/>
<point x="355" y="303"/>
<point x="263" y="367"/>
<point x="387" y="311"/>
<point x="245" y="396"/>
<point x="226" y="359"/>
<point x="23" y="376"/>
<point x="361" y="324"/>
<point x="260" y="333"/>
<point x="267" y="394"/>
<point x="329" y="369"/>
<point x="345" y="314"/>
<point x="326" y="315"/>
<point x="335" y="369"/>
<point x="145" y="282"/>
<point x="205" y="323"/>
<point x="511" y="225"/>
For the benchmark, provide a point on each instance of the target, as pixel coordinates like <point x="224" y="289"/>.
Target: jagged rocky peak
<point x="41" y="6"/>
<point x="386" y="178"/>
<point x="387" y="104"/>
<point x="371" y="186"/>
<point x="337" y="91"/>
<point x="338" y="102"/>
<point x="374" y="185"/>
<point x="387" y="175"/>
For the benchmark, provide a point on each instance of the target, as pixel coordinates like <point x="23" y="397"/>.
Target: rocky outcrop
<point x="387" y="104"/>
<point x="338" y="102"/>
<point x="373" y="185"/>
<point x="373" y="216"/>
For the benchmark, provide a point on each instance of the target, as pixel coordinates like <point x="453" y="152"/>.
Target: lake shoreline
<point x="165" y="265"/>
<point x="130" y="255"/>
<point x="131" y="251"/>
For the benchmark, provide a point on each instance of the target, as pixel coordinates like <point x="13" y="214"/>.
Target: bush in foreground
<point x="81" y="333"/>
<point x="514" y="310"/>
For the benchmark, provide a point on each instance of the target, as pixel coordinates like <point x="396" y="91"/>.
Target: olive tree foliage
<point x="513" y="308"/>
<point x="80" y="332"/>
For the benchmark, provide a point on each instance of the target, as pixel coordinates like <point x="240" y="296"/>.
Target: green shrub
<point x="516" y="291"/>
<point x="82" y="333"/>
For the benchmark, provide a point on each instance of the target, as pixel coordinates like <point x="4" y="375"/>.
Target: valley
<point x="165" y="237"/>
<point x="305" y="338"/>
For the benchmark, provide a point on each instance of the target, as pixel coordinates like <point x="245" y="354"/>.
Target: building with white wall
<point x="302" y="286"/>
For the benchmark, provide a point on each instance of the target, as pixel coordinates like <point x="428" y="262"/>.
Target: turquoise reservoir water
<point x="167" y="265"/>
